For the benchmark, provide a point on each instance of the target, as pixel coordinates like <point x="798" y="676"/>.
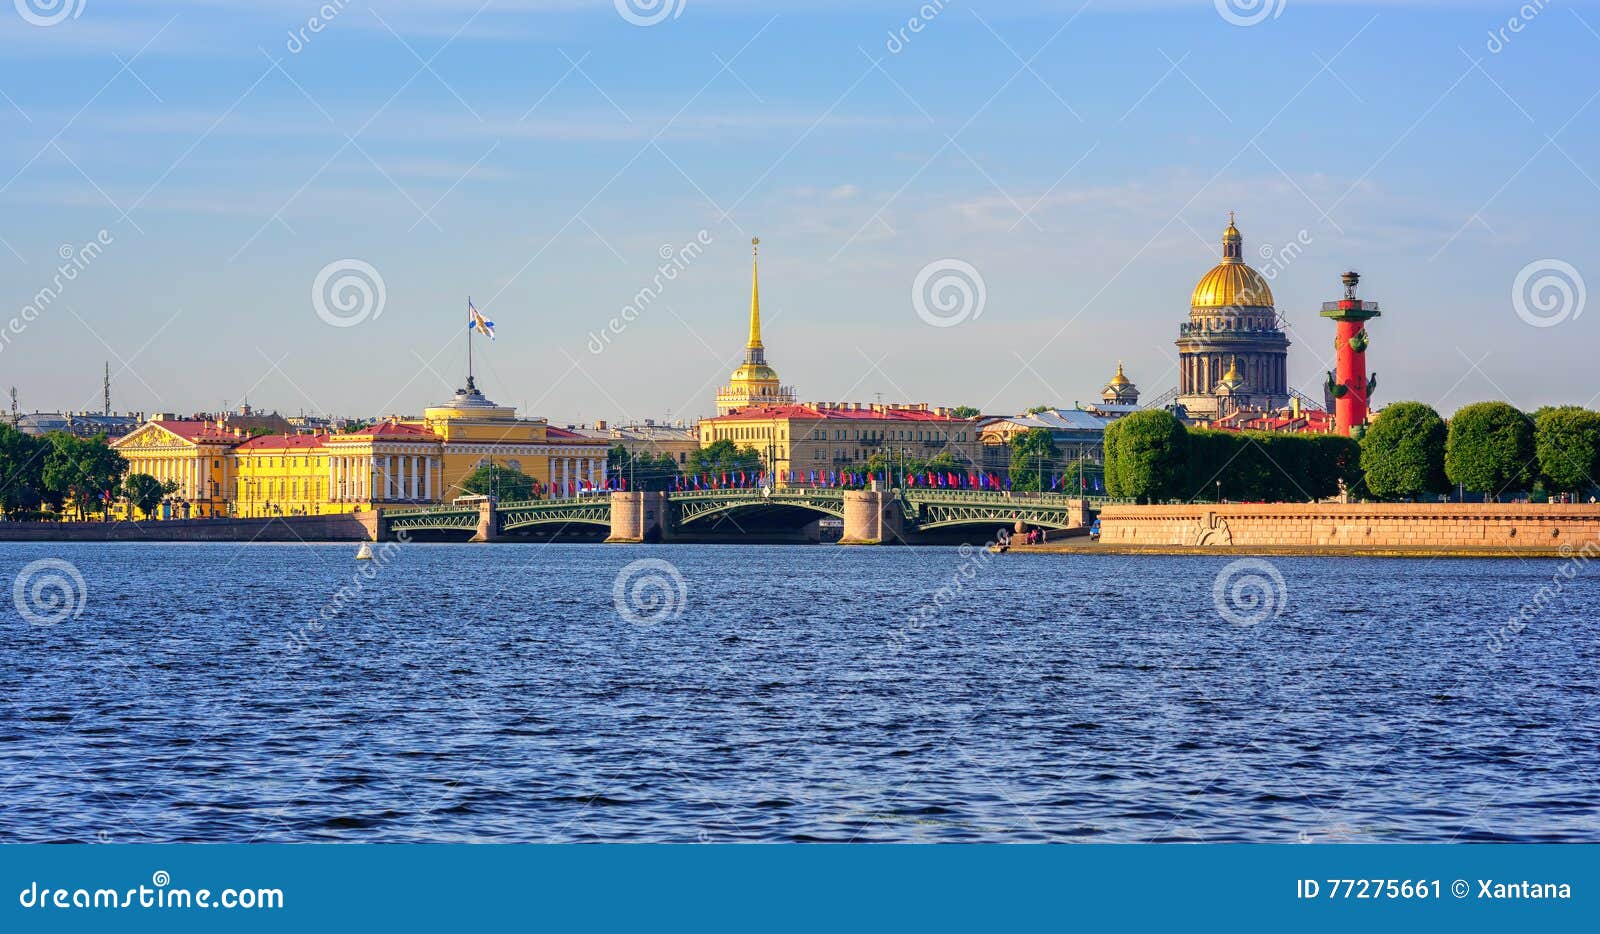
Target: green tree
<point x="1334" y="466"/>
<point x="1567" y="442"/>
<point x="502" y="483"/>
<point x="1145" y="456"/>
<point x="722" y="456"/>
<point x="643" y="471"/>
<point x="1402" y="453"/>
<point x="21" y="471"/>
<point x="964" y="411"/>
<point x="83" y="470"/>
<point x="1091" y="472"/>
<point x="146" y="492"/>
<point x="1110" y="444"/>
<point x="1035" y="410"/>
<point x="1489" y="448"/>
<point x="1034" y="457"/>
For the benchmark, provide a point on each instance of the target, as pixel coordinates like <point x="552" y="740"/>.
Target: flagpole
<point x="470" y="329"/>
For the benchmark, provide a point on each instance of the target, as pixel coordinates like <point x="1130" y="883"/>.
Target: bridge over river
<point x="872" y="516"/>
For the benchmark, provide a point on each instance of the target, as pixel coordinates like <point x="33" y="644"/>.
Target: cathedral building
<point x="754" y="382"/>
<point x="1233" y="353"/>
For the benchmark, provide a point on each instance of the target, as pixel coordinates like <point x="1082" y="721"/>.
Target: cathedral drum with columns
<point x="1233" y="353"/>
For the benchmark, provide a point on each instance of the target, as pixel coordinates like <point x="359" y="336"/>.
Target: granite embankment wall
<point x="348" y="527"/>
<point x="1424" y="527"/>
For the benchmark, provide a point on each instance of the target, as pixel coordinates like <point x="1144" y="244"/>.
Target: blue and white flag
<point x="477" y="322"/>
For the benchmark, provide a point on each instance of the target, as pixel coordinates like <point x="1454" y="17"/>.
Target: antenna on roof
<point x="106" y="388"/>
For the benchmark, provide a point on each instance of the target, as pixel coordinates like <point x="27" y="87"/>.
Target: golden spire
<point x="755" y="296"/>
<point x="1232" y="376"/>
<point x="1119" y="379"/>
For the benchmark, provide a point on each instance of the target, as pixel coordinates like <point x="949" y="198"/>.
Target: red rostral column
<point x="1350" y="387"/>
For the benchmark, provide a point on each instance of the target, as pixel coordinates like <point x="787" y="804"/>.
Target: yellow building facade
<point x="192" y="454"/>
<point x="796" y="440"/>
<point x="282" y="475"/>
<point x="473" y="432"/>
<point x="397" y="462"/>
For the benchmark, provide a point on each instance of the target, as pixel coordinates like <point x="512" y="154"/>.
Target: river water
<point x="515" y="692"/>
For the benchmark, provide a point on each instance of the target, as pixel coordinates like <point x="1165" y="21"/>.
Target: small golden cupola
<point x="1120" y="390"/>
<point x="1232" y="381"/>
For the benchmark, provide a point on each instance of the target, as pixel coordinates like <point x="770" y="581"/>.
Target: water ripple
<point x="492" y="693"/>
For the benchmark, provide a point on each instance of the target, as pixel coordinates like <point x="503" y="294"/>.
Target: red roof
<point x="763" y="412"/>
<point x="565" y="435"/>
<point x="1310" y="421"/>
<point x="282" y="442"/>
<point x="196" y="430"/>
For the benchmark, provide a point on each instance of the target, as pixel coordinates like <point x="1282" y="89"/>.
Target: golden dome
<point x="1119" y="379"/>
<point x="1232" y="283"/>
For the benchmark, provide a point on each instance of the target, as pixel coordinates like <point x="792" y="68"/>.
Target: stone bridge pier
<point x="488" y="523"/>
<point x="638" y="517"/>
<point x="872" y="517"/>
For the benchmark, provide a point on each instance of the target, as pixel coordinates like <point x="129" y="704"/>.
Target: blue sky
<point x="540" y="156"/>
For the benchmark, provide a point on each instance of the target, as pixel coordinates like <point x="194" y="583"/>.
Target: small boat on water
<point x="364" y="553"/>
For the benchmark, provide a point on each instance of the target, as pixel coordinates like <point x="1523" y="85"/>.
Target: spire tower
<point x="755" y="300"/>
<point x="754" y="382"/>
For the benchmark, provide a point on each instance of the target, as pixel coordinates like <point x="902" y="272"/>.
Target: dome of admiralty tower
<point x="1232" y="324"/>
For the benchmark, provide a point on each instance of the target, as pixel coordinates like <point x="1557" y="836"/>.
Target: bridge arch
<point x="694" y="511"/>
<point x="514" y="521"/>
<point x="455" y="520"/>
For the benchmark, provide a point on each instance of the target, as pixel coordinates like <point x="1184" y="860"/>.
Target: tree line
<point x="1408" y="453"/>
<point x="59" y="474"/>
